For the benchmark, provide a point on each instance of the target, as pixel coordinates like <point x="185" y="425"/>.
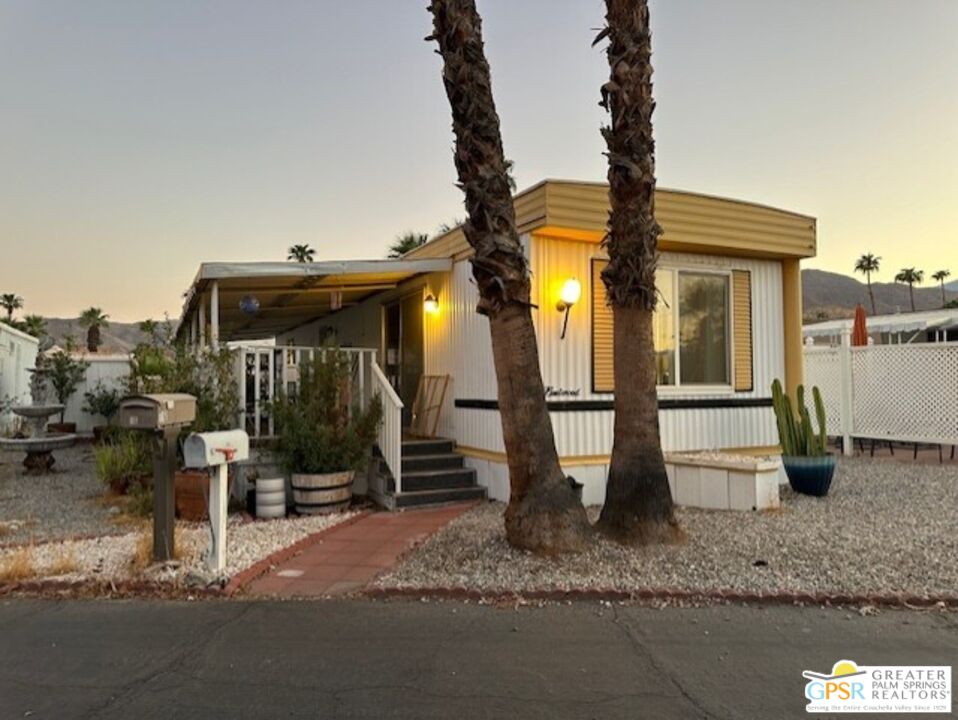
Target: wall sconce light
<point x="431" y="304"/>
<point x="568" y="296"/>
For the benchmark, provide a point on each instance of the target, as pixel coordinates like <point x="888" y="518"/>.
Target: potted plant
<point x="102" y="401"/>
<point x="324" y="436"/>
<point x="65" y="373"/>
<point x="808" y="464"/>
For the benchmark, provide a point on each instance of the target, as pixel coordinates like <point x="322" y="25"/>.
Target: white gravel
<point x="111" y="558"/>
<point x="886" y="527"/>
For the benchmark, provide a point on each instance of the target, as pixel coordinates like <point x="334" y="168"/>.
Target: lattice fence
<point x="823" y="369"/>
<point x="907" y="393"/>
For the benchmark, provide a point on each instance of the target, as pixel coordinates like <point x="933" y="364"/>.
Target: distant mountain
<point x="833" y="295"/>
<point x="953" y="286"/>
<point x="117" y="337"/>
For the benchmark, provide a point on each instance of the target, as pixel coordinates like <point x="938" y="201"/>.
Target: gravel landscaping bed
<point x="114" y="558"/>
<point x="884" y="528"/>
<point x="59" y="505"/>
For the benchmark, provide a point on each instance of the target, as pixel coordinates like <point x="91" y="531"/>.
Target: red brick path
<point x="347" y="558"/>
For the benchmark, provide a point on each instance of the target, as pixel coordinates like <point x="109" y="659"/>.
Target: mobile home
<point x="729" y="322"/>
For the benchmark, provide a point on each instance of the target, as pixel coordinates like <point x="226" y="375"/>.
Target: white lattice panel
<point x="823" y="369"/>
<point x="906" y="392"/>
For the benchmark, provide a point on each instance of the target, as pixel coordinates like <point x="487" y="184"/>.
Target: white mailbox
<point x="216" y="450"/>
<point x="203" y="450"/>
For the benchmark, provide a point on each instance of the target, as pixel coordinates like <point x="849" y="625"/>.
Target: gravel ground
<point x="112" y="558"/>
<point x="885" y="527"/>
<point x="59" y="505"/>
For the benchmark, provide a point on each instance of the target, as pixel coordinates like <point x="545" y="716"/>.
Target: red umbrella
<point x="859" y="328"/>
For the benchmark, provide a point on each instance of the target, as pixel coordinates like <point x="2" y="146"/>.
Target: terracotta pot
<point x="192" y="488"/>
<point x="64" y="427"/>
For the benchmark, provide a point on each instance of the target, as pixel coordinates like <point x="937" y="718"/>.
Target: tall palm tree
<point x="407" y="242"/>
<point x="866" y="265"/>
<point x="301" y="253"/>
<point x="638" y="503"/>
<point x="544" y="515"/>
<point x="910" y="276"/>
<point x="93" y="319"/>
<point x="941" y="276"/>
<point x="10" y="302"/>
<point x="35" y="325"/>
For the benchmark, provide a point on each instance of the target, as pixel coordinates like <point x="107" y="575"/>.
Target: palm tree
<point x="910" y="276"/>
<point x="93" y="319"/>
<point x="867" y="264"/>
<point x="544" y="515"/>
<point x="638" y="504"/>
<point x="301" y="253"/>
<point x="150" y="328"/>
<point x="407" y="242"/>
<point x="941" y="276"/>
<point x="10" y="302"/>
<point x="35" y="325"/>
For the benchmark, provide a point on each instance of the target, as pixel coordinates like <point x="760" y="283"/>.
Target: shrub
<point x="124" y="461"/>
<point x="66" y="374"/>
<point x="102" y="401"/>
<point x="319" y="431"/>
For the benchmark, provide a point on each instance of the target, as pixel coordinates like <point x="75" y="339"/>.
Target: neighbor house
<point x="728" y="324"/>
<point x="18" y="353"/>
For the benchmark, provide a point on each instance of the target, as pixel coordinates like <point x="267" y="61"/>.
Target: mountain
<point x="953" y="286"/>
<point x="832" y="295"/>
<point x="117" y="337"/>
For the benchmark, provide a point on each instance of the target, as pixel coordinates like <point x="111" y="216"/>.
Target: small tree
<point x="910" y="276"/>
<point x="34" y="325"/>
<point x="102" y="401"/>
<point x="10" y="302"/>
<point x="940" y="277"/>
<point x="301" y="253"/>
<point x="66" y="373"/>
<point x="93" y="319"/>
<point x="407" y="242"/>
<point x="866" y="265"/>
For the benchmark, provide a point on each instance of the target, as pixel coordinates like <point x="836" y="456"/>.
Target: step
<point x="436" y="446"/>
<point x="438" y="479"/>
<point x="443" y="461"/>
<point x="436" y="497"/>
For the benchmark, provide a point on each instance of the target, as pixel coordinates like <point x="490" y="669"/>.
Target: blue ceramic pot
<point x="810" y="475"/>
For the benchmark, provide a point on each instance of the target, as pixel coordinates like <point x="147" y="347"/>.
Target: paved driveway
<point x="362" y="659"/>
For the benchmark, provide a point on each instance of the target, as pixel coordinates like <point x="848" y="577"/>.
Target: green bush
<point x="319" y="430"/>
<point x="102" y="401"/>
<point x="124" y="462"/>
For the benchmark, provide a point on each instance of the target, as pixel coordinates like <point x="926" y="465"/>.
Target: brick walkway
<point x="347" y="558"/>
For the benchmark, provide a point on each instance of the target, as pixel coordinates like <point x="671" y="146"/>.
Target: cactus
<point x="795" y="430"/>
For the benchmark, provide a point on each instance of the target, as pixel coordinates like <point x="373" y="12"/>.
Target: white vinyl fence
<point x="905" y="393"/>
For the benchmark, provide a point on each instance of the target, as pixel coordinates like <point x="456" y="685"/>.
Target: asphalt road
<point x="362" y="659"/>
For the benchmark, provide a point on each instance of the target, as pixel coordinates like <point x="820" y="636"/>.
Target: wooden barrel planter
<point x="319" y="494"/>
<point x="270" y="498"/>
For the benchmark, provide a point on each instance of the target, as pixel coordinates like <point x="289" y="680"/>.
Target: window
<point x="692" y="329"/>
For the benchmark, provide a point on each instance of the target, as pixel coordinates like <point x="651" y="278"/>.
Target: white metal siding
<point x="18" y="352"/>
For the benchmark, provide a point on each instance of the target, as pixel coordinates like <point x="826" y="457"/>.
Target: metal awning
<point x="898" y="322"/>
<point x="244" y="301"/>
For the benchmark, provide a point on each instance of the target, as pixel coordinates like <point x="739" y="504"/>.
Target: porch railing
<point x="390" y="431"/>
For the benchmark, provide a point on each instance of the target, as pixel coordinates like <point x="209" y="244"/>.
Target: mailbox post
<point x="163" y="416"/>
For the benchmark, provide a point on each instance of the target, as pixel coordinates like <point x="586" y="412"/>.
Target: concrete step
<point x="436" y="446"/>
<point x="443" y="461"/>
<point x="436" y="497"/>
<point x="438" y="479"/>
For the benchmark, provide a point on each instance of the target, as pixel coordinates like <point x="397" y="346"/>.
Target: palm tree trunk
<point x="911" y="294"/>
<point x="871" y="294"/>
<point x="944" y="298"/>
<point x="544" y="514"/>
<point x="93" y="338"/>
<point x="638" y="505"/>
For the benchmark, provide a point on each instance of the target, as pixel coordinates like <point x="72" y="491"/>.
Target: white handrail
<point x="390" y="431"/>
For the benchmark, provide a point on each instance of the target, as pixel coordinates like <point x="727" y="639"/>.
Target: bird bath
<point x="39" y="445"/>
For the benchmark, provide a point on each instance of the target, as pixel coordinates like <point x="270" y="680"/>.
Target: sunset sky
<point x="139" y="139"/>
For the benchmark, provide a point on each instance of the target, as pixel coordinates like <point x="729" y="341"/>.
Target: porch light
<point x="431" y="304"/>
<point x="568" y="296"/>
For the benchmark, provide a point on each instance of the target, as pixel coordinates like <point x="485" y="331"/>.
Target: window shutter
<point x="742" y="327"/>
<point x="603" y="380"/>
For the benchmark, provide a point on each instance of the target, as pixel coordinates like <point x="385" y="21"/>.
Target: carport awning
<point x="288" y="294"/>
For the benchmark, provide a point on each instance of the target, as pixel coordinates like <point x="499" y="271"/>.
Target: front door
<point x="404" y="355"/>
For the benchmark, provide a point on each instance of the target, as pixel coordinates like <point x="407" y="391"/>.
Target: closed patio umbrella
<point x="859" y="328"/>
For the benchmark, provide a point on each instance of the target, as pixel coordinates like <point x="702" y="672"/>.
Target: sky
<point x="139" y="139"/>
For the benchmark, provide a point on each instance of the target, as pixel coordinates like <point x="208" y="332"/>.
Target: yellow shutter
<point x="602" y="373"/>
<point x="742" y="324"/>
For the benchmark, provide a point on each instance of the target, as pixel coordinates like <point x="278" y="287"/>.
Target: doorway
<point x="404" y="352"/>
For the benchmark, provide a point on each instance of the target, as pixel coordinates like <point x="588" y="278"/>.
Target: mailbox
<point x="203" y="450"/>
<point x="157" y="412"/>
